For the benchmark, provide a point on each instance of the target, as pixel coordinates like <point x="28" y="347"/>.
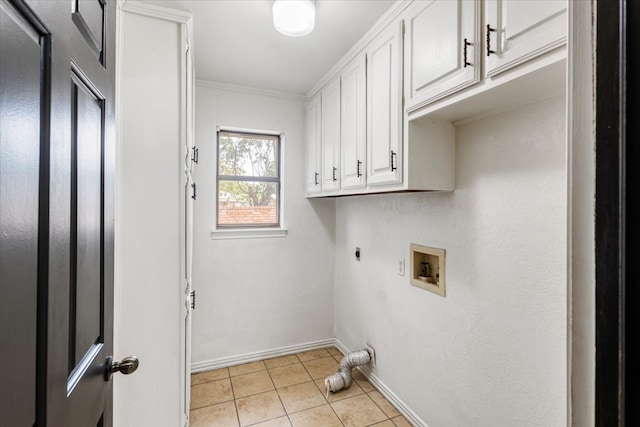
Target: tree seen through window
<point x="248" y="179"/>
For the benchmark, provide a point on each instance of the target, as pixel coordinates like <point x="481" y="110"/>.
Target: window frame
<point x="222" y="231"/>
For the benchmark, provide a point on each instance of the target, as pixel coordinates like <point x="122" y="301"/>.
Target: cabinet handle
<point x="334" y="174"/>
<point x="358" y="174"/>
<point x="315" y="178"/>
<point x="489" y="30"/>
<point x="195" y="155"/>
<point x="393" y="157"/>
<point x="466" y="44"/>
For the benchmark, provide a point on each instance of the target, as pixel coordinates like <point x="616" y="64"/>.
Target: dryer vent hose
<point x="342" y="378"/>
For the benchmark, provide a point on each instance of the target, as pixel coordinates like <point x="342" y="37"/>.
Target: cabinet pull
<point x="315" y="178"/>
<point x="358" y="174"/>
<point x="466" y="62"/>
<point x="334" y="174"/>
<point x="393" y="157"/>
<point x="195" y="155"/>
<point x="489" y="30"/>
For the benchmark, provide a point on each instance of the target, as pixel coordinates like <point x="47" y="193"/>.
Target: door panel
<point x="384" y="108"/>
<point x="441" y="54"/>
<point x="330" y="135"/>
<point x="69" y="144"/>
<point x="191" y="158"/>
<point x="437" y="28"/>
<point x="90" y="76"/>
<point x="314" y="144"/>
<point x="86" y="224"/>
<point x="89" y="17"/>
<point x="523" y="15"/>
<point x="353" y="126"/>
<point x="381" y="111"/>
<point x="523" y="30"/>
<point x="20" y="145"/>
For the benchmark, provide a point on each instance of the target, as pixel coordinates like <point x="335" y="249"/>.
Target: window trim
<point x="222" y="231"/>
<point x="248" y="233"/>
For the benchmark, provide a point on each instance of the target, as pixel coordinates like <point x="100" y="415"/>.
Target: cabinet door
<point x="353" y="122"/>
<point x="384" y="107"/>
<point x="442" y="49"/>
<point x="520" y="30"/>
<point x="313" y="144"/>
<point x="331" y="136"/>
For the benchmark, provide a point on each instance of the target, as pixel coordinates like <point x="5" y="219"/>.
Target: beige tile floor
<point x="287" y="391"/>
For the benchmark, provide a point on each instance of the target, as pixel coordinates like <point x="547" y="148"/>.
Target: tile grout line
<point x="335" y="413"/>
<point x="277" y="390"/>
<point x="215" y="403"/>
<point x="235" y="405"/>
<point x="379" y="407"/>
<point x="313" y="381"/>
<point x="365" y="393"/>
<point x="286" y="414"/>
<point x="233" y="394"/>
<point x="329" y="403"/>
<point x="279" y="398"/>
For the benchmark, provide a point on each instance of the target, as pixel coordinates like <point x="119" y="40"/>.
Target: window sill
<point x="255" y="233"/>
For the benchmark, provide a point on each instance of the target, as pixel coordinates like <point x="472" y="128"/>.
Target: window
<point x="248" y="180"/>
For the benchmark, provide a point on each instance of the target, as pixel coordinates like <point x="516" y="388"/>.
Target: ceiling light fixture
<point x="294" y="18"/>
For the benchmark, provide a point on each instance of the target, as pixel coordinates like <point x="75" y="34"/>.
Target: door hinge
<point x="193" y="187"/>
<point x="192" y="298"/>
<point x="195" y="154"/>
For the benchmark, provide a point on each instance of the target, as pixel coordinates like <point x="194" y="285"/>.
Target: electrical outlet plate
<point x="372" y="352"/>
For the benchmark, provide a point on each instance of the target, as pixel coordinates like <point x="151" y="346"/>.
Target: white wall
<point x="493" y="352"/>
<point x="256" y="295"/>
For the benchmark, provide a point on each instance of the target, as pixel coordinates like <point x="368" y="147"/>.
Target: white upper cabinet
<point x="384" y="107"/>
<point x="313" y="145"/>
<point x="517" y="31"/>
<point x="389" y="107"/>
<point x="331" y="136"/>
<point x="442" y="49"/>
<point x="353" y="124"/>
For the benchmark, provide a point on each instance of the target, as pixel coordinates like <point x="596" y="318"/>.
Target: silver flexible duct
<point x="342" y="378"/>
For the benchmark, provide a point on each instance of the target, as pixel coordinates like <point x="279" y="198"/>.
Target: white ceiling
<point x="235" y="41"/>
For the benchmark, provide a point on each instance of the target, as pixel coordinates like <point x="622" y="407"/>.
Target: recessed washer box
<point x="427" y="268"/>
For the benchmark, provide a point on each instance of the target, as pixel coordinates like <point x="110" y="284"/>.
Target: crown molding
<point x="249" y="90"/>
<point x="154" y="11"/>
<point x="390" y="16"/>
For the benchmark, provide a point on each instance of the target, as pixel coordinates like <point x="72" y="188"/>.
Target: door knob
<point x="126" y="366"/>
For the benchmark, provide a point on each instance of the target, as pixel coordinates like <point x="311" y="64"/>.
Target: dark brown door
<point x="617" y="294"/>
<point x="57" y="186"/>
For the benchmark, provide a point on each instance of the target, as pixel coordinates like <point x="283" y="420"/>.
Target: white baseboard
<point x="386" y="392"/>
<point x="225" y="362"/>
